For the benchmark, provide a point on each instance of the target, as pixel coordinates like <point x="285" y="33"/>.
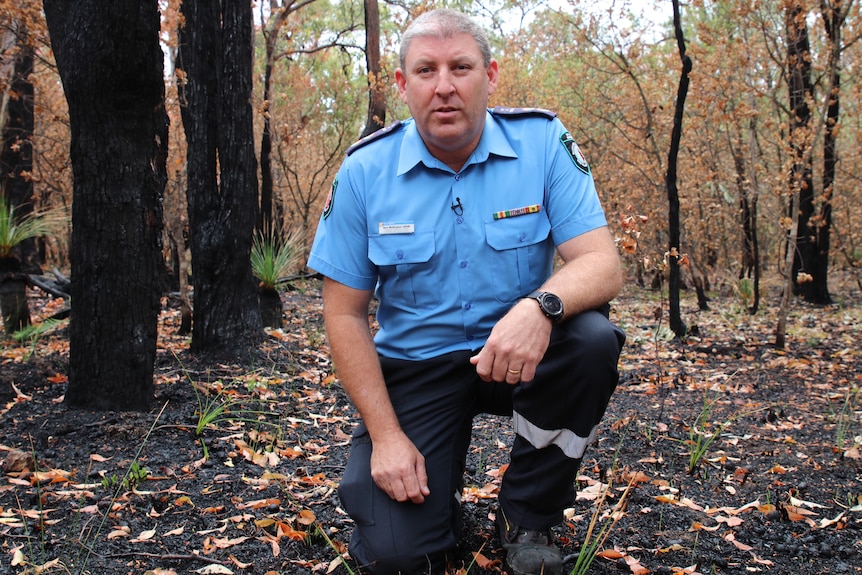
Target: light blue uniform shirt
<point x="444" y="276"/>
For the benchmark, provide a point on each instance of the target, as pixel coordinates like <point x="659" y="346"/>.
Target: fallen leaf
<point x="484" y="563"/>
<point x="18" y="558"/>
<point x="612" y="554"/>
<point x="238" y="563"/>
<point x="306" y="517"/>
<point x="741" y="546"/>
<point x="729" y="521"/>
<point x="144" y="536"/>
<point x="635" y="566"/>
<point x="333" y="565"/>
<point x="761" y="561"/>
<point x="698" y="526"/>
<point x="214" y="569"/>
<point x="122" y="531"/>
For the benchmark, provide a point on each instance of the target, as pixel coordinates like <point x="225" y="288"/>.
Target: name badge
<point x="395" y="228"/>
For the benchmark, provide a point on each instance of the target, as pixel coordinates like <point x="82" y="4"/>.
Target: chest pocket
<point x="408" y="277"/>
<point x="522" y="254"/>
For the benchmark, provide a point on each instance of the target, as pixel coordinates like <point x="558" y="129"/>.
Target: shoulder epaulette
<point x="373" y="136"/>
<point x="519" y="112"/>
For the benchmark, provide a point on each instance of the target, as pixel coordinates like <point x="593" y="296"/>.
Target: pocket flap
<point x="511" y="233"/>
<point x="397" y="249"/>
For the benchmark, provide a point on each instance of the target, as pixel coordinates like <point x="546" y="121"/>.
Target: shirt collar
<point x="413" y="150"/>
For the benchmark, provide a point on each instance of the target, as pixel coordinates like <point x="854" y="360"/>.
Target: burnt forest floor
<point x="719" y="454"/>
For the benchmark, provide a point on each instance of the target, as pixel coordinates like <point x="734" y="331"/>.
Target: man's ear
<point x="401" y="82"/>
<point x="493" y="74"/>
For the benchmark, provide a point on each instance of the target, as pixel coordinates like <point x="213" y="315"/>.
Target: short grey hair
<point x="444" y="23"/>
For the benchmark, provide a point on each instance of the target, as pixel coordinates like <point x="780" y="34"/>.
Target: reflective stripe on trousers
<point x="569" y="442"/>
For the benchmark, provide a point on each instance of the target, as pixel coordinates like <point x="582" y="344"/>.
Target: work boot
<point x="528" y="551"/>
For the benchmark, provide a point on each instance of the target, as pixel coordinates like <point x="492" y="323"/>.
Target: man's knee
<point x="595" y="336"/>
<point x="397" y="559"/>
<point x="391" y="537"/>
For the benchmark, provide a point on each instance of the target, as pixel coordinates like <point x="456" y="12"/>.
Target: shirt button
<point x="460" y="220"/>
<point x="399" y="254"/>
<point x="522" y="237"/>
<point x="463" y="264"/>
<point x="457" y="177"/>
<point x="467" y="306"/>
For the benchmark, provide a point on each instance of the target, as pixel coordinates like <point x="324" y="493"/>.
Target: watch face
<point x="552" y="304"/>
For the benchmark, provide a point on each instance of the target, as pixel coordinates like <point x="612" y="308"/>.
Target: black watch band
<point x="550" y="304"/>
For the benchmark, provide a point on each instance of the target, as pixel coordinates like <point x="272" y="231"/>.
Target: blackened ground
<point x="778" y="488"/>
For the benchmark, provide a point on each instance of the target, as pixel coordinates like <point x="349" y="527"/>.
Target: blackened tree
<point x="376" y="87"/>
<point x="111" y="67"/>
<point x="215" y="59"/>
<point x="676" y="323"/>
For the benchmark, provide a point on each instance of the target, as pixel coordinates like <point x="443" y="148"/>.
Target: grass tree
<point x="273" y="255"/>
<point x="13" y="281"/>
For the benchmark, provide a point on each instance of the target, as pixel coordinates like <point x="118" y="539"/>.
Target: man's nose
<point x="445" y="85"/>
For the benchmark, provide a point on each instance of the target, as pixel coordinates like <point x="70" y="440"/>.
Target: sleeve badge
<point x="330" y="200"/>
<point x="574" y="152"/>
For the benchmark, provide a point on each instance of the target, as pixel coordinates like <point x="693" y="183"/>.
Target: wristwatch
<point x="550" y="304"/>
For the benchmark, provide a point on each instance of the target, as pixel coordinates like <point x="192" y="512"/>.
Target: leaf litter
<point x="778" y="489"/>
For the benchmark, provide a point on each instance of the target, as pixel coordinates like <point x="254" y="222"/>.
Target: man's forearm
<point x="358" y="369"/>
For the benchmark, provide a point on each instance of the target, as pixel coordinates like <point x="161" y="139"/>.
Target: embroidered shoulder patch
<point x="373" y="136"/>
<point x="516" y="112"/>
<point x="330" y="200"/>
<point x="574" y="152"/>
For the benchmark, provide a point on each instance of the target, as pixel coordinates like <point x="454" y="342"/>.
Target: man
<point x="452" y="219"/>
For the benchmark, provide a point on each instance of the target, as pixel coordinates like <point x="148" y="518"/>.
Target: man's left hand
<point x="516" y="345"/>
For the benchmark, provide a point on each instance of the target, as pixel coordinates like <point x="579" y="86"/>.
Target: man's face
<point x="446" y="86"/>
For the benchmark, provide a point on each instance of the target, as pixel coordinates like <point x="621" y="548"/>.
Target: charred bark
<point x="216" y="58"/>
<point x="676" y="323"/>
<point x="376" y="96"/>
<point x="111" y="66"/>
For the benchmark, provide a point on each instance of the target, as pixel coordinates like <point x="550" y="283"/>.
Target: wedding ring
<point x="514" y="371"/>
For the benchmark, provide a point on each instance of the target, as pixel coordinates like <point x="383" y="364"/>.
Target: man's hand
<point x="516" y="345"/>
<point x="398" y="468"/>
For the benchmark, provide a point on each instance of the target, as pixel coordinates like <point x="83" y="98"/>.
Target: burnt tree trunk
<point x="13" y="296"/>
<point x="111" y="66"/>
<point x="16" y="165"/>
<point x="216" y="56"/>
<point x="802" y="178"/>
<point x="16" y="155"/>
<point x="376" y="95"/>
<point x="676" y="323"/>
<point x="270" y="35"/>
<point x="747" y="190"/>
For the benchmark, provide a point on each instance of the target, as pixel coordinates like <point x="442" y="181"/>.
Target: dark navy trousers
<point x="555" y="417"/>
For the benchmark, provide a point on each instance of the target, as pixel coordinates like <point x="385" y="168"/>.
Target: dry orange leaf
<point x="306" y="517"/>
<point x="612" y="554"/>
<point x="698" y="526"/>
<point x="290" y="452"/>
<point x="485" y="563"/>
<point x="498" y="472"/>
